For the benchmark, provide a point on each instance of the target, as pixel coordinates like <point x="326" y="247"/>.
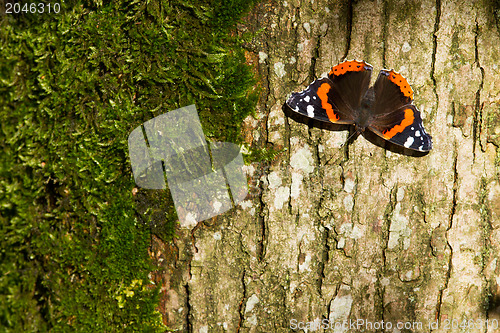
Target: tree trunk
<point x="358" y="232"/>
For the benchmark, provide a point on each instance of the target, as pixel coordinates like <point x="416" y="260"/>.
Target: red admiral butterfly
<point x="385" y="109"/>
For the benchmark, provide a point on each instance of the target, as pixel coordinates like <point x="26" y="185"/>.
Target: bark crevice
<point x="434" y="51"/>
<point x="478" y="114"/>
<point x="240" y="306"/>
<point x="189" y="325"/>
<point x="315" y="56"/>
<point x="387" y="218"/>
<point x="261" y="217"/>
<point x="350" y="15"/>
<point x="385" y="13"/>
<point x="450" y="224"/>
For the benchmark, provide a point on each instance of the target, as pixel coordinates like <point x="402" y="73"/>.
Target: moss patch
<point x="74" y="85"/>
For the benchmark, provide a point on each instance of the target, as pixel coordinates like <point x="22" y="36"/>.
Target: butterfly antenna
<point x="349" y="138"/>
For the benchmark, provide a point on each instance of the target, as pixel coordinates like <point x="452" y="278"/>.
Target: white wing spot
<point x="417" y="133"/>
<point x="420" y="148"/>
<point x="307" y="99"/>
<point x="409" y="142"/>
<point x="314" y="97"/>
<point x="412" y="128"/>
<point x="296" y="109"/>
<point x="310" y="111"/>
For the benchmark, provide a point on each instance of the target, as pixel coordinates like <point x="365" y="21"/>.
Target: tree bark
<point x="357" y="232"/>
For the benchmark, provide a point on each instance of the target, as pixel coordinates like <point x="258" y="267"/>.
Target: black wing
<point x="335" y="99"/>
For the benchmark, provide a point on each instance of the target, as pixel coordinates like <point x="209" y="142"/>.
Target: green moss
<point x="263" y="155"/>
<point x="73" y="238"/>
<point x="226" y="11"/>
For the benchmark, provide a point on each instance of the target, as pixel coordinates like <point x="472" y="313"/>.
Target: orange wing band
<point x="347" y="66"/>
<point x="407" y="121"/>
<point x="401" y="82"/>
<point x="323" y="95"/>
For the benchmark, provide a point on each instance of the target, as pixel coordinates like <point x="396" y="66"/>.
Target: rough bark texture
<point x="361" y="232"/>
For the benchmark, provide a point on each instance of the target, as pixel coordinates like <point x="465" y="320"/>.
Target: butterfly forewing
<point x="337" y="98"/>
<point x="321" y="101"/>
<point x="392" y="92"/>
<point x="351" y="79"/>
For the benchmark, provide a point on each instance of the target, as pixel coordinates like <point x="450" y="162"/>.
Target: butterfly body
<point x="344" y="97"/>
<point x="362" y="115"/>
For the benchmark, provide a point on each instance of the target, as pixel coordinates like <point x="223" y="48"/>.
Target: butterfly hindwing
<point x="403" y="127"/>
<point x="394" y="117"/>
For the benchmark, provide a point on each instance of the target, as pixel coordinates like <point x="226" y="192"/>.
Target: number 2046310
<point x="33" y="8"/>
